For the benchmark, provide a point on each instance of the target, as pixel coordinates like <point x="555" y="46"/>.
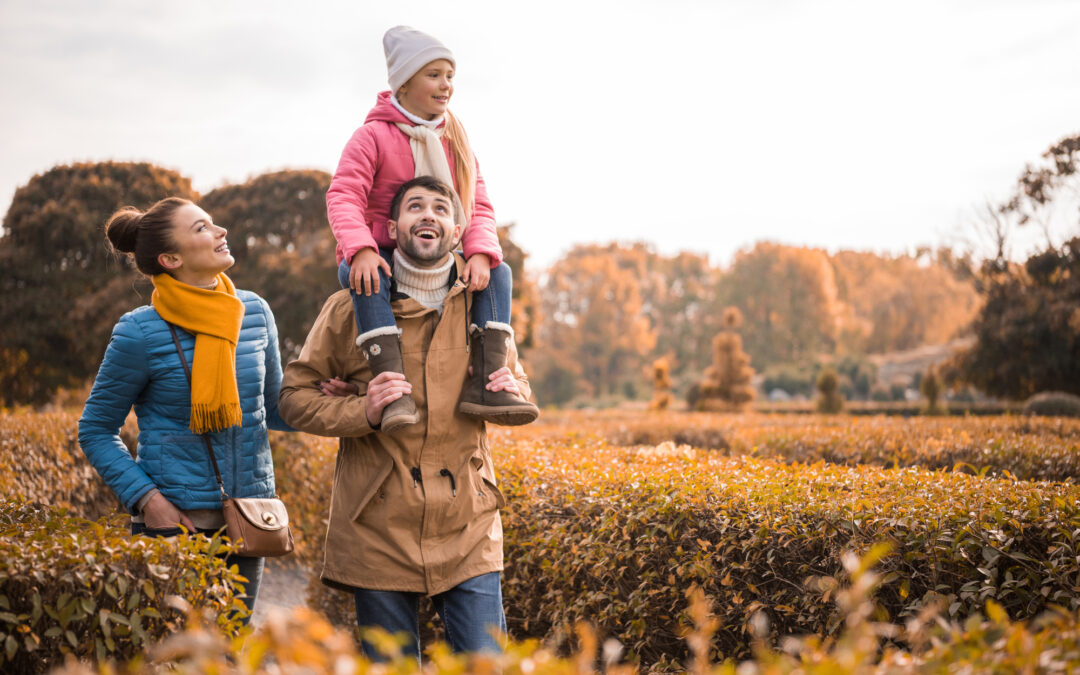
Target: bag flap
<point x="265" y="514"/>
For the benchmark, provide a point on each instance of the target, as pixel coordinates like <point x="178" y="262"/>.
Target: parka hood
<point x="384" y="111"/>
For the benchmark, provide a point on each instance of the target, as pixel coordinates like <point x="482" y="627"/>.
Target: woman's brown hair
<point x="144" y="235"/>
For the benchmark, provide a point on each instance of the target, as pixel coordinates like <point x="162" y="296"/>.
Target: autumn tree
<point x="726" y="385"/>
<point x="1028" y="332"/>
<point x="525" y="308"/>
<point x="788" y="297"/>
<point x="283" y="246"/>
<point x="61" y="290"/>
<point x="895" y="303"/>
<point x="1043" y="188"/>
<point x="594" y="334"/>
<point x="681" y="301"/>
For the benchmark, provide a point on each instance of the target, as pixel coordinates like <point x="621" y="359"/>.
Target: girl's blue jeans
<point x="373" y="311"/>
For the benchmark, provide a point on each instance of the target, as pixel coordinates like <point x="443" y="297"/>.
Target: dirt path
<point x="284" y="586"/>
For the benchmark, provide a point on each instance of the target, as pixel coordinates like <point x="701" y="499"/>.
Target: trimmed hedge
<point x="1030" y="448"/>
<point x="1057" y="403"/>
<point x="616" y="536"/>
<point x="73" y="586"/>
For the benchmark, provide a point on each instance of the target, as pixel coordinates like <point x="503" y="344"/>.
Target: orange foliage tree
<point x="788" y="297"/>
<point x="595" y="336"/>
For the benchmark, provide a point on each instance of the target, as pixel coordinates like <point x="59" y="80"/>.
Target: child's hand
<point x="477" y="272"/>
<point x="365" y="271"/>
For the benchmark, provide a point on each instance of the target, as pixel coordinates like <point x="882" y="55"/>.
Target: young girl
<point x="410" y="132"/>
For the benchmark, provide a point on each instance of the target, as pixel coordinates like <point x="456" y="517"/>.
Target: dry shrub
<point x="41" y="461"/>
<point x="89" y="589"/>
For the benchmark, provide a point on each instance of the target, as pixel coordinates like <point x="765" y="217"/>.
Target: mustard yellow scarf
<point x="214" y="317"/>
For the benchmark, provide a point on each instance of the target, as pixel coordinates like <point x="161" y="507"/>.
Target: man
<point x="413" y="512"/>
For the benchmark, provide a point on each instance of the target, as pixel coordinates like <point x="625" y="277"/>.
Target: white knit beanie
<point x="407" y="51"/>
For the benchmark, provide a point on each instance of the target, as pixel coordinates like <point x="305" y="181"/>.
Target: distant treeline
<point x="603" y="313"/>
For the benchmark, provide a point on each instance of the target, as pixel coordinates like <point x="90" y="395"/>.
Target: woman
<point x="229" y="339"/>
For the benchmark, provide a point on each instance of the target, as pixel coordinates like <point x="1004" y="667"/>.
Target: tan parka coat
<point x="415" y="510"/>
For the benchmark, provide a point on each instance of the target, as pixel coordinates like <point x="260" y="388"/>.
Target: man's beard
<point x="436" y="255"/>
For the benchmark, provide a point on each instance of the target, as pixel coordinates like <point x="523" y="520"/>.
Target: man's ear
<point x="170" y="261"/>
<point x="391" y="229"/>
<point x="457" y="232"/>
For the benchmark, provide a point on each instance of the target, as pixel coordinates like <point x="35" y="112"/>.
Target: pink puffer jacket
<point x="375" y="162"/>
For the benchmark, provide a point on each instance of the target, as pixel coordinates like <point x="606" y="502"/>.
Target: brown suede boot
<point x="489" y="347"/>
<point x="383" y="353"/>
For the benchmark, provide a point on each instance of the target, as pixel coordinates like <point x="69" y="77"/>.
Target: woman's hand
<point x="337" y="387"/>
<point x="365" y="271"/>
<point x="384" y="389"/>
<point x="477" y="272"/>
<point x="160" y="514"/>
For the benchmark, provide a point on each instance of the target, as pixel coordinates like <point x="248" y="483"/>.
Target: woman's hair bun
<point x="123" y="229"/>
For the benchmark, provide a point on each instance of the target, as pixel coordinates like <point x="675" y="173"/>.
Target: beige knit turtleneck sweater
<point x="426" y="285"/>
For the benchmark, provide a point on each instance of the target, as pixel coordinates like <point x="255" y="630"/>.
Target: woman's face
<point x="428" y="92"/>
<point x="201" y="250"/>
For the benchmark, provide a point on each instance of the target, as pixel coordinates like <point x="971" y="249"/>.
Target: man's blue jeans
<point x="469" y="612"/>
<point x="373" y="311"/>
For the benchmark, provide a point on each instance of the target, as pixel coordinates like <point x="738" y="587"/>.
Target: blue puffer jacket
<point x="141" y="368"/>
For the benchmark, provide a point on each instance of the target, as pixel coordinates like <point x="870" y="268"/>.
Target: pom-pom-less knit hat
<point x="407" y="51"/>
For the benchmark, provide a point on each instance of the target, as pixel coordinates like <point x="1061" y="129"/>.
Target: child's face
<point x="425" y="230"/>
<point x="428" y="92"/>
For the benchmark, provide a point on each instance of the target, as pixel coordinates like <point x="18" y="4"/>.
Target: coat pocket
<point x="486" y="486"/>
<point x="362" y="479"/>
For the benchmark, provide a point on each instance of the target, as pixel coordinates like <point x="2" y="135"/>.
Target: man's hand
<point x="365" y="265"/>
<point x="161" y="514"/>
<point x="477" y="272"/>
<point x="502" y="380"/>
<point x="384" y="389"/>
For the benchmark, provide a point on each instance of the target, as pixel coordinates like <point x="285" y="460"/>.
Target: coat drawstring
<point x="417" y="477"/>
<point x="453" y="485"/>
<point x="467" y="313"/>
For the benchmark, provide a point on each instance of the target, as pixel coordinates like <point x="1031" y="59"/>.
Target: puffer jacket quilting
<point x="141" y="368"/>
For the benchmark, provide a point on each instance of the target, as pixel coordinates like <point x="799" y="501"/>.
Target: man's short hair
<point x="428" y="183"/>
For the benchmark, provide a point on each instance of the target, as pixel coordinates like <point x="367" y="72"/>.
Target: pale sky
<point x="694" y="125"/>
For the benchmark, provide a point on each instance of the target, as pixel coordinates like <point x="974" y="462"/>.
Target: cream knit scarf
<point x="425" y="141"/>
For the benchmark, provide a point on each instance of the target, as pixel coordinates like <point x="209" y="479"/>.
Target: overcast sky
<point x="701" y="125"/>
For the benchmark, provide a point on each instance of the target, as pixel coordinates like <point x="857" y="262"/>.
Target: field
<point x="617" y="519"/>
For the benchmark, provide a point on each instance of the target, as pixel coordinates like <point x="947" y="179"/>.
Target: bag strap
<point x="205" y="437"/>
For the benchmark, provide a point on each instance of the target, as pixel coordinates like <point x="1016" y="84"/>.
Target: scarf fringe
<point x="205" y="418"/>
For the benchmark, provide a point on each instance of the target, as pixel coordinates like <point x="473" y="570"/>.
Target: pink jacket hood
<point x="385" y="111"/>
